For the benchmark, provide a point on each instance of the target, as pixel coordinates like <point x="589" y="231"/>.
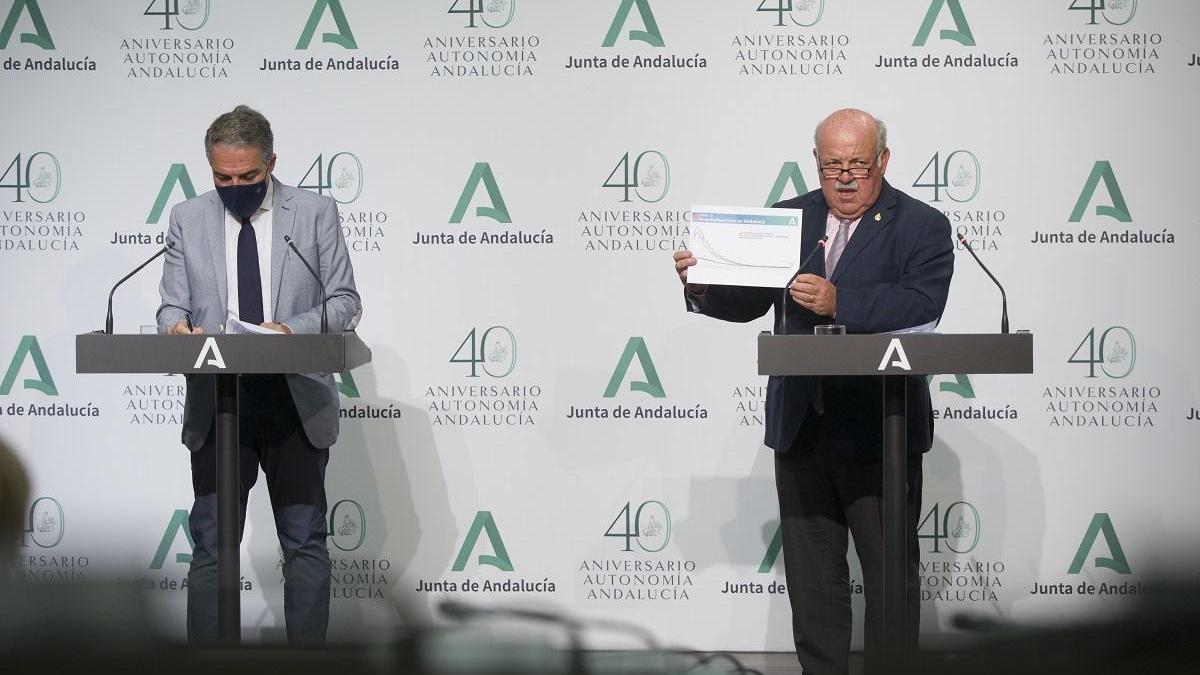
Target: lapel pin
<point x="878" y="217"/>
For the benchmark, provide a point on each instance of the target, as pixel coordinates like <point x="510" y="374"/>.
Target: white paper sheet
<point x="744" y="246"/>
<point x="239" y="327"/>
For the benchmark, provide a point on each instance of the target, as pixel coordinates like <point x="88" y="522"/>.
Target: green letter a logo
<point x="1101" y="524"/>
<point x="29" y="348"/>
<point x="961" y="386"/>
<point x="652" y="385"/>
<point x="346" y="385"/>
<point x="179" y="521"/>
<point x="788" y="173"/>
<point x="483" y="523"/>
<point x="497" y="211"/>
<point x="176" y="174"/>
<point x="344" y="36"/>
<point x="650" y="36"/>
<point x="1119" y="211"/>
<point x="962" y="30"/>
<point x="41" y="38"/>
<point x="772" y="553"/>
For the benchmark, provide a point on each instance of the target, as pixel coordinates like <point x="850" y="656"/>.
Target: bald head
<point x="852" y="156"/>
<point x="853" y="121"/>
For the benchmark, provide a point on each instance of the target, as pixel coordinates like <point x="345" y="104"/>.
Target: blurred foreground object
<point x="14" y="495"/>
<point x="1156" y="635"/>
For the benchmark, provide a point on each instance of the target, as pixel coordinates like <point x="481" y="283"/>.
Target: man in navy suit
<point x="887" y="266"/>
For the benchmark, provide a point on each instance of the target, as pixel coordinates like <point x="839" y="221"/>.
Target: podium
<point x="226" y="357"/>
<point x="893" y="357"/>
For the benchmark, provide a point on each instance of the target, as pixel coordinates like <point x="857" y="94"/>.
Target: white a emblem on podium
<point x="895" y="349"/>
<point x="210" y="349"/>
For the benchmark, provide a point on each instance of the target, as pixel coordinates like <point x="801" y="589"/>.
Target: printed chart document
<point x="744" y="246"/>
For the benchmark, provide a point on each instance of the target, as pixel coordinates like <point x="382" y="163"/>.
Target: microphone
<point x="820" y="245"/>
<point x="461" y="611"/>
<point x="458" y="611"/>
<point x="971" y="621"/>
<point x="108" y="321"/>
<point x="291" y="244"/>
<point x="1003" y="298"/>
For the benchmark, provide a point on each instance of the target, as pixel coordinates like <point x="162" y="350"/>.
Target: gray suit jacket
<point x="194" y="284"/>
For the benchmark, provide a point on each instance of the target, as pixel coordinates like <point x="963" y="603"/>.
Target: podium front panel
<point x="219" y="354"/>
<point x="895" y="354"/>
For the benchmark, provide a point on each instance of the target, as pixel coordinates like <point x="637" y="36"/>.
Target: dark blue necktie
<point x="250" y="303"/>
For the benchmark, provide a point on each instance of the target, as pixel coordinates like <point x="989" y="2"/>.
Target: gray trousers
<point x="272" y="438"/>
<point x="822" y="496"/>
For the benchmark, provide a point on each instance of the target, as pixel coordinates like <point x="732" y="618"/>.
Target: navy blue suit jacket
<point x="895" y="273"/>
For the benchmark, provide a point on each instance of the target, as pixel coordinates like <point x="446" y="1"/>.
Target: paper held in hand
<point x="744" y="246"/>
<point x="239" y="327"/>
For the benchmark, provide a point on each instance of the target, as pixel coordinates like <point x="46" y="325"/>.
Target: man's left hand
<point x="277" y="327"/>
<point x="815" y="294"/>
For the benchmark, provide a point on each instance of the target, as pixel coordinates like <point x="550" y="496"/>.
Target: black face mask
<point x="243" y="200"/>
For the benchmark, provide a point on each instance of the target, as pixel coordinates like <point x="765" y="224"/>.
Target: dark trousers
<point x="822" y="494"/>
<point x="272" y="437"/>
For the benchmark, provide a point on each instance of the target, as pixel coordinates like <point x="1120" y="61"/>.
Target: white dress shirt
<point x="261" y="221"/>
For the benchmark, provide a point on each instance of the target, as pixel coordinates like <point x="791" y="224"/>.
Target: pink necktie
<point x="836" y="248"/>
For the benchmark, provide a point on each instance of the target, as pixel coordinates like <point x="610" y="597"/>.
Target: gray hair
<point x="880" y="128"/>
<point x="242" y="126"/>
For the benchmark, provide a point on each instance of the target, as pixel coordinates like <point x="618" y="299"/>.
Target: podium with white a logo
<point x="894" y="357"/>
<point x="225" y="357"/>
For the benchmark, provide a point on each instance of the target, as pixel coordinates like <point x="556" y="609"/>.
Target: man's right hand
<point x="684" y="260"/>
<point x="182" y="328"/>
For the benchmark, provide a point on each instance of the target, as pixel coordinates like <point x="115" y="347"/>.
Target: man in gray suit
<point x="231" y="262"/>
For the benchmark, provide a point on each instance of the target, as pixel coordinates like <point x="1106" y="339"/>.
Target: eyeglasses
<point x="856" y="170"/>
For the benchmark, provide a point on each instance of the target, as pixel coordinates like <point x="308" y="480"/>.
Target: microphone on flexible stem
<point x="978" y="623"/>
<point x="1003" y="298"/>
<point x="820" y="245"/>
<point x="292" y="245"/>
<point x="458" y="610"/>
<point x="461" y="611"/>
<point x="108" y="320"/>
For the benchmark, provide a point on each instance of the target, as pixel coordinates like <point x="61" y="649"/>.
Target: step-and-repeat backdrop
<point x="543" y="424"/>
